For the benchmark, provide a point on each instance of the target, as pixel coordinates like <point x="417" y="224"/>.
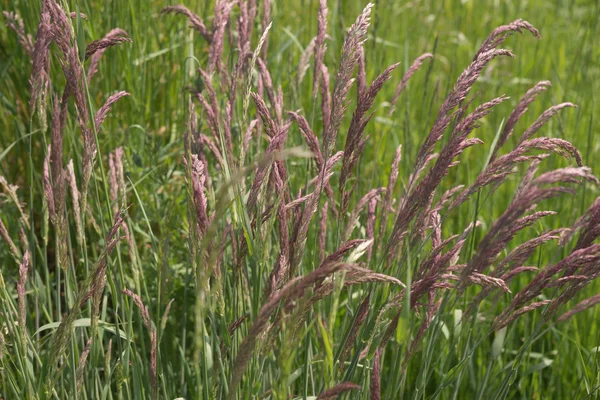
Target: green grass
<point x="195" y="352"/>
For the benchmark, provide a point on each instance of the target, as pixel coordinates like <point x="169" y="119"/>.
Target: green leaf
<point x="498" y="343"/>
<point x="402" y="330"/>
<point x="546" y="362"/>
<point x="80" y="35"/>
<point x="84" y="323"/>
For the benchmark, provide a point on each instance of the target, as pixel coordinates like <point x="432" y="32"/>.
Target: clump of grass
<point x="276" y="257"/>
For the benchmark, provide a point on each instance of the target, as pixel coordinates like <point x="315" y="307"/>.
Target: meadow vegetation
<point x="319" y="199"/>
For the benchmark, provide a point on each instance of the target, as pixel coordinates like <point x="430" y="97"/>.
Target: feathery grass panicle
<point x="131" y="246"/>
<point x="73" y="15"/>
<point x="570" y="286"/>
<point x="337" y="390"/>
<point x="588" y="226"/>
<point x="292" y="290"/>
<point x="416" y="65"/>
<point x="113" y="34"/>
<point x="236" y="324"/>
<point x="304" y="63"/>
<point x="309" y="137"/>
<point x="265" y="116"/>
<point x="344" y="249"/>
<point x="248" y="135"/>
<point x="113" y="182"/>
<point x="120" y="174"/>
<point x="83" y="359"/>
<point x="46" y="181"/>
<point x="275" y="146"/>
<point x="422" y="194"/>
<point x="55" y="26"/>
<point x="457" y="95"/>
<point x="580" y="307"/>
<point x="485" y="281"/>
<point x="319" y="45"/>
<point x="40" y="71"/>
<point x="252" y="11"/>
<point x="75" y="197"/>
<point x="104" y="43"/>
<point x="512" y="264"/>
<point x="237" y="237"/>
<point x="355" y="140"/>
<point x="280" y="272"/>
<point x="15" y="22"/>
<point x="268" y="85"/>
<point x="389" y="193"/>
<point x="301" y="224"/>
<point x="323" y="232"/>
<point x="11" y="192"/>
<point x="502" y="321"/>
<point x="243" y="22"/>
<point x="373" y="194"/>
<point x="512" y="220"/>
<point x="500" y="168"/>
<point x="325" y="98"/>
<point x="359" y="319"/>
<point x="499" y="35"/>
<point x="376" y="376"/>
<point x="58" y="183"/>
<point x="357" y="35"/>
<point x="266" y="23"/>
<point x="361" y="76"/>
<point x="92" y="287"/>
<point x="199" y="195"/>
<point x="153" y="338"/>
<point x="244" y="57"/>
<point x="255" y="56"/>
<point x="104" y="110"/>
<point x="14" y="250"/>
<point x="222" y="11"/>
<point x="209" y="143"/>
<point x="313" y="144"/>
<point x="543" y="119"/>
<point x="194" y="20"/>
<point x="517" y="113"/>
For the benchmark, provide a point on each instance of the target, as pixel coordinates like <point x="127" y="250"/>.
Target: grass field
<point x="200" y="236"/>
